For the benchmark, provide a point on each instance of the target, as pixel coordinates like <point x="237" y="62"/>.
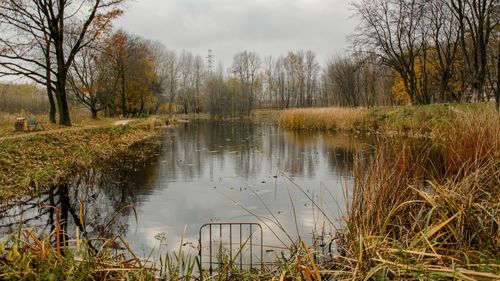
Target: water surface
<point x="207" y="172"/>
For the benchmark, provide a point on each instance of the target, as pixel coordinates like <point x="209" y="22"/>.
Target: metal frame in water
<point x="238" y="226"/>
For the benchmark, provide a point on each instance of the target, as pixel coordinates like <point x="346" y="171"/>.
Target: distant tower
<point x="210" y="60"/>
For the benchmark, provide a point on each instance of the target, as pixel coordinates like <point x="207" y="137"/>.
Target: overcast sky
<point x="268" y="27"/>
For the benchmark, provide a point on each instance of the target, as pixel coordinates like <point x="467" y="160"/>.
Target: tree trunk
<point x="62" y="103"/>
<point x="497" y="92"/>
<point x="52" y="104"/>
<point x="64" y="118"/>
<point x="52" y="111"/>
<point x="94" y="114"/>
<point x="64" y="214"/>
<point x="123" y="104"/>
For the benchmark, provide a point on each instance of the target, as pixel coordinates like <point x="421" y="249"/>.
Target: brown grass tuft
<point x="404" y="222"/>
<point x="331" y="118"/>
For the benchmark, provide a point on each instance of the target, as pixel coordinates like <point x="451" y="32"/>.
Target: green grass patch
<point x="31" y="164"/>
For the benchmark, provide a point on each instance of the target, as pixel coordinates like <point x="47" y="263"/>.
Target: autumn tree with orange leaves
<point x="133" y="68"/>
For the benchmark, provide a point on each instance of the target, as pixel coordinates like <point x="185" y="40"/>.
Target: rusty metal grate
<point x="226" y="232"/>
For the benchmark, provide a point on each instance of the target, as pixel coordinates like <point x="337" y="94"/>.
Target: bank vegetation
<point x="30" y="164"/>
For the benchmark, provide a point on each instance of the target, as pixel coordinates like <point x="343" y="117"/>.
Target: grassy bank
<point x="80" y="118"/>
<point x="31" y="163"/>
<point x="423" y="119"/>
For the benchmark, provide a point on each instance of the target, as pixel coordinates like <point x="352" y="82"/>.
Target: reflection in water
<point x="209" y="171"/>
<point x="89" y="204"/>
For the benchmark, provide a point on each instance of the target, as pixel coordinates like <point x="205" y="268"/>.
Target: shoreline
<point x="30" y="164"/>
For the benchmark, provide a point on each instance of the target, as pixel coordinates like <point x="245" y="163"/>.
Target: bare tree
<point x="198" y="80"/>
<point x="311" y="69"/>
<point x="368" y="76"/>
<point x="297" y="76"/>
<point x="344" y="81"/>
<point x="280" y="76"/>
<point x="186" y="60"/>
<point x="91" y="80"/>
<point x="32" y="28"/>
<point x="218" y="101"/>
<point x="268" y="95"/>
<point x="246" y="67"/>
<point x="167" y="68"/>
<point x="444" y="34"/>
<point x="477" y="19"/>
<point x="171" y="77"/>
<point x="392" y="30"/>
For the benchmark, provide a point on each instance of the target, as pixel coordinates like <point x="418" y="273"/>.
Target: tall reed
<point x="403" y="222"/>
<point x="331" y="118"/>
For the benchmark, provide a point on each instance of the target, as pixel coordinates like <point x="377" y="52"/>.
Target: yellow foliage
<point x="398" y="90"/>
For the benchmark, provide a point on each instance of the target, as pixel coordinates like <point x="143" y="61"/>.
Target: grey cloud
<point x="269" y="27"/>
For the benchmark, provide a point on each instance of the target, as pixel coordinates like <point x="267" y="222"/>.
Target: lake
<point x="292" y="183"/>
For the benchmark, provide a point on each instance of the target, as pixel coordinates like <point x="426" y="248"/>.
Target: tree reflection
<point x="245" y="150"/>
<point x="90" y="203"/>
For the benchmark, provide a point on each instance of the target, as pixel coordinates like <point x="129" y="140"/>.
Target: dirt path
<point x="122" y="122"/>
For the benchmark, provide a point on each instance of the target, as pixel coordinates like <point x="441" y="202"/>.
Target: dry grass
<point x="28" y="256"/>
<point x="331" y="118"/>
<point x="266" y="115"/>
<point x="79" y="118"/>
<point x="418" y="120"/>
<point x="405" y="223"/>
<point x="472" y="138"/>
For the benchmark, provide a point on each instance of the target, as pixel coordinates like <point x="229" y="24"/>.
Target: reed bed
<point x="404" y="223"/>
<point x="421" y="120"/>
<point x="315" y="119"/>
